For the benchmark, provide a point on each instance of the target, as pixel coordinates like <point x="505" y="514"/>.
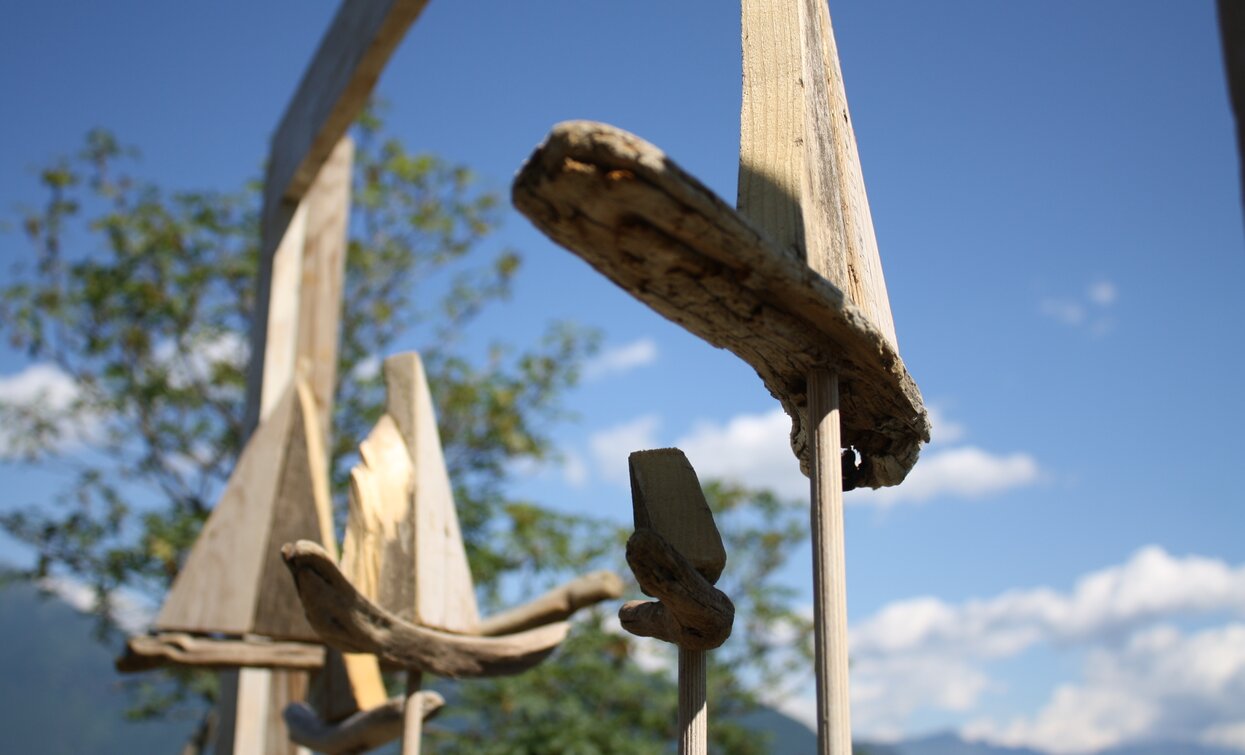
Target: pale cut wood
<point x="378" y="524"/>
<point x="302" y="510"/>
<point x="345" y="685"/>
<point x="413" y="720"/>
<point x="276" y="356"/>
<point x="799" y="165"/>
<point x="558" y="604"/>
<point x="351" y="623"/>
<point x="666" y="497"/>
<point x="323" y="273"/>
<point x="693" y="703"/>
<point x="622" y="205"/>
<point x="216" y="589"/>
<point x="363" y="731"/>
<point x="689" y="612"/>
<point x="247" y="730"/>
<point x="444" y="590"/>
<point x="144" y="652"/>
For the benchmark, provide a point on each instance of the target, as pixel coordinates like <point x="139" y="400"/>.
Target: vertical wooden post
<point x="693" y="707"/>
<point x="413" y="714"/>
<point x="829" y="574"/>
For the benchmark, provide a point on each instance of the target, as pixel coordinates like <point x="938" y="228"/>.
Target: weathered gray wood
<point x="633" y="214"/>
<point x="1232" y="36"/>
<point x="666" y="497"/>
<point x="363" y="731"/>
<point x="144" y="652"/>
<point x="558" y="604"/>
<point x="689" y="612"/>
<point x="351" y="623"/>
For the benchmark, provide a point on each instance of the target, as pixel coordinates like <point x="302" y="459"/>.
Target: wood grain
<point x="351" y="623"/>
<point x="666" y="497"/>
<point x="558" y="604"/>
<point x="623" y="206"/>
<point x="689" y="612"/>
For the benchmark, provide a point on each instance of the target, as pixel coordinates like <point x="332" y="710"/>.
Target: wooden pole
<point x="834" y="732"/>
<point x="693" y="707"/>
<point x="413" y="715"/>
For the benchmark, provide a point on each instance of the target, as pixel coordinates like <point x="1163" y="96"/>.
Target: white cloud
<point x="611" y="447"/>
<point x="620" y="359"/>
<point x="753" y="449"/>
<point x="965" y="472"/>
<point x="1142" y="678"/>
<point x="133" y="614"/>
<point x="47" y="393"/>
<point x="944" y="430"/>
<point x="197" y="361"/>
<point x="574" y="470"/>
<point x="1089" y="312"/>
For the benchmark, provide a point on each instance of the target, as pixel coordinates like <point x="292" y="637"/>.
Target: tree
<point x="136" y="300"/>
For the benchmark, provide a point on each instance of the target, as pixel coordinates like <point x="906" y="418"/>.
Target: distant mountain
<point x="952" y="744"/>
<point x="58" y="690"/>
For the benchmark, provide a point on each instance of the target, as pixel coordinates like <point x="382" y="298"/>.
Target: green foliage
<point x="139" y="298"/>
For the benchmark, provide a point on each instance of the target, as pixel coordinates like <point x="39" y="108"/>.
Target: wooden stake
<point x="834" y="732"/>
<point x="693" y="708"/>
<point x="413" y="717"/>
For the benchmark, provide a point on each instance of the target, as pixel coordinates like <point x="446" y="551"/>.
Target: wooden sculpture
<point x="403" y="591"/>
<point x="676" y="554"/>
<point x="791" y="283"/>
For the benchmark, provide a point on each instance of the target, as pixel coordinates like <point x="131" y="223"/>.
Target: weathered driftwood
<point x="689" y="612"/>
<point x="666" y="497"/>
<point x="145" y="652"/>
<point x="352" y="623"/>
<point x="360" y="732"/>
<point x="623" y="206"/>
<point x="558" y="604"/>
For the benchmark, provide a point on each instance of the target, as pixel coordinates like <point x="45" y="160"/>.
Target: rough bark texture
<point x="351" y="623"/>
<point x="690" y="612"/>
<point x="624" y="207"/>
<point x="556" y="605"/>
<point x="145" y="652"/>
<point x="361" y="732"/>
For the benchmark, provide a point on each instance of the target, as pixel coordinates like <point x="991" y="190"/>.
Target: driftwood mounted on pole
<point x="791" y="283"/>
<point x="403" y="590"/>
<point x="676" y="554"/>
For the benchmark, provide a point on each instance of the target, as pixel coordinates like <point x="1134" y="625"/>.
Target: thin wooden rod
<point x="693" y="709"/>
<point x="413" y="714"/>
<point x="834" y="732"/>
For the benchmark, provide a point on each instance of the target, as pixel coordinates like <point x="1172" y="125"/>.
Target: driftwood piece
<point x="666" y="497"/>
<point x="556" y="605"/>
<point x="360" y="732"/>
<point x="145" y="652"/>
<point x="351" y="623"/>
<point x="690" y="612"/>
<point x="629" y="211"/>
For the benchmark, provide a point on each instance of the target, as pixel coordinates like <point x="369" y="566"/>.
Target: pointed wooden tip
<point x="666" y="497"/>
<point x="351" y="623"/>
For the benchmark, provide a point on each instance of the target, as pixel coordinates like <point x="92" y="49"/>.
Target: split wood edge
<point x="623" y="206"/>
<point x="360" y="732"/>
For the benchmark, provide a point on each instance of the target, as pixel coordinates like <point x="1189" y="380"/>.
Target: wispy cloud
<point x="620" y="359"/>
<point x="133" y="613"/>
<point x="1089" y="311"/>
<point x="1142" y="678"/>
<point x="42" y="398"/>
<point x="964" y="472"/>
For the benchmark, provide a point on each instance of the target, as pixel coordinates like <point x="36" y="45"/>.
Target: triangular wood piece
<point x="233" y="581"/>
<point x="666" y="497"/>
<point x="404" y="548"/>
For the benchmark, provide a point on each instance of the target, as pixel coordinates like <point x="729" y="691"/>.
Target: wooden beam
<point x="144" y="652"/>
<point x="628" y="210"/>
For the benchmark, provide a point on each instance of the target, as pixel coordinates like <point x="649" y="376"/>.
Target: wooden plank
<point x="216" y="589"/>
<point x="666" y="498"/>
<point x="351" y="623"/>
<point x="334" y="89"/>
<point x="301" y="510"/>
<point x="444" y="590"/>
<point x="145" y="652"/>
<point x="628" y="210"/>
<point x="275" y="357"/>
<point x="323" y="275"/>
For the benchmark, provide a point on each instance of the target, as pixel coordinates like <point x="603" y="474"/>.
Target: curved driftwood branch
<point x="556" y="605"/>
<point x="628" y="210"/>
<point x="146" y="652"/>
<point x="690" y="612"/>
<point x="351" y="623"/>
<point x="361" y="732"/>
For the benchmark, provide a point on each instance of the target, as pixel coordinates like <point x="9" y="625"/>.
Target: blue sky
<point x="1055" y="193"/>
